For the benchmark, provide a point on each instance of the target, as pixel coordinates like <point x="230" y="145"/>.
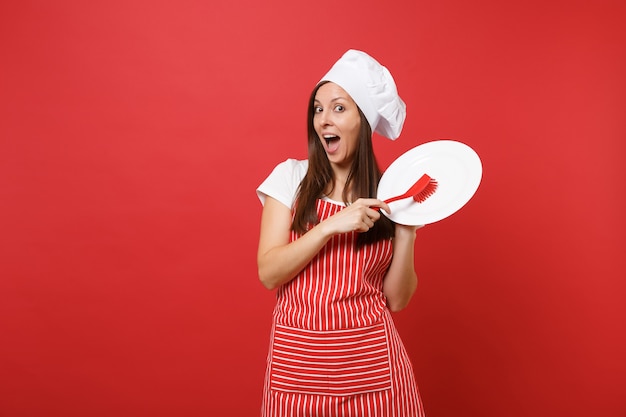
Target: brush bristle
<point x="426" y="192"/>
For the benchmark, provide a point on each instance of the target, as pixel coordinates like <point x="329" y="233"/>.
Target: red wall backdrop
<point x="134" y="133"/>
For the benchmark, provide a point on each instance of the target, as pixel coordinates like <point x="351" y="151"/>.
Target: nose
<point x="324" y="118"/>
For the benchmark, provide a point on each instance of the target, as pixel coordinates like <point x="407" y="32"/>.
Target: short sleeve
<point x="283" y="182"/>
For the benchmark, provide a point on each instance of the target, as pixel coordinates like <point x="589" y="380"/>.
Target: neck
<point x="335" y="191"/>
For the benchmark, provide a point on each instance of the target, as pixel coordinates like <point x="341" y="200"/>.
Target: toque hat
<point x="373" y="89"/>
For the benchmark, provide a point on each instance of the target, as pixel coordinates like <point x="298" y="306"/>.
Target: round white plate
<point x="455" y="166"/>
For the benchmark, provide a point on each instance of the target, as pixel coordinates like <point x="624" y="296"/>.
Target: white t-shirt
<point x="282" y="184"/>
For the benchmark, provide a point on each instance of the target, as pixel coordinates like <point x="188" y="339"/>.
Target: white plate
<point x="455" y="166"/>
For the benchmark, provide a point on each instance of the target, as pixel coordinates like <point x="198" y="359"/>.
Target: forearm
<point x="401" y="280"/>
<point x="281" y="264"/>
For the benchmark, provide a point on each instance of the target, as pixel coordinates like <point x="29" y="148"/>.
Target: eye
<point x="339" y="108"/>
<point x="317" y="109"/>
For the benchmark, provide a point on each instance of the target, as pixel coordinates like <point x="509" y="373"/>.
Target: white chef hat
<point x="373" y="89"/>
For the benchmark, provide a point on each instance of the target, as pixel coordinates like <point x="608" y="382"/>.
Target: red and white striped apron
<point x="334" y="349"/>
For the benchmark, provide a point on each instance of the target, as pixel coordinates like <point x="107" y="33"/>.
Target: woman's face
<point x="337" y="123"/>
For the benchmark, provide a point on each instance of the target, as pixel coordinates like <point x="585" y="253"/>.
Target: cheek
<point x="354" y="138"/>
<point x="354" y="131"/>
<point x="316" y="126"/>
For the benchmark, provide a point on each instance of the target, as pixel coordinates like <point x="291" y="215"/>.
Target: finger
<point x="369" y="202"/>
<point x="366" y="221"/>
<point x="373" y="213"/>
<point x="379" y="204"/>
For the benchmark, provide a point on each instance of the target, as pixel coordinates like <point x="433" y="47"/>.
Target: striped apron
<point x="334" y="349"/>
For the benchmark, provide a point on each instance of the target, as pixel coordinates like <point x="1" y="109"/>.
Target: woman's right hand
<point x="359" y="216"/>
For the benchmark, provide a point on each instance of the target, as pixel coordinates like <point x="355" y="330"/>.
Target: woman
<point x="338" y="265"/>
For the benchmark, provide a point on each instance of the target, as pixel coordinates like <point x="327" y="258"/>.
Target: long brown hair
<point x="362" y="179"/>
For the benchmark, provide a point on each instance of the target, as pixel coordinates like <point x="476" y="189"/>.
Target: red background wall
<point x="134" y="133"/>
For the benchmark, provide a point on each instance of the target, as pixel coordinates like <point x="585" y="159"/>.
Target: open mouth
<point x="331" y="139"/>
<point x="332" y="143"/>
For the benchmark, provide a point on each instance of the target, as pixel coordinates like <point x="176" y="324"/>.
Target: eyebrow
<point x="335" y="99"/>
